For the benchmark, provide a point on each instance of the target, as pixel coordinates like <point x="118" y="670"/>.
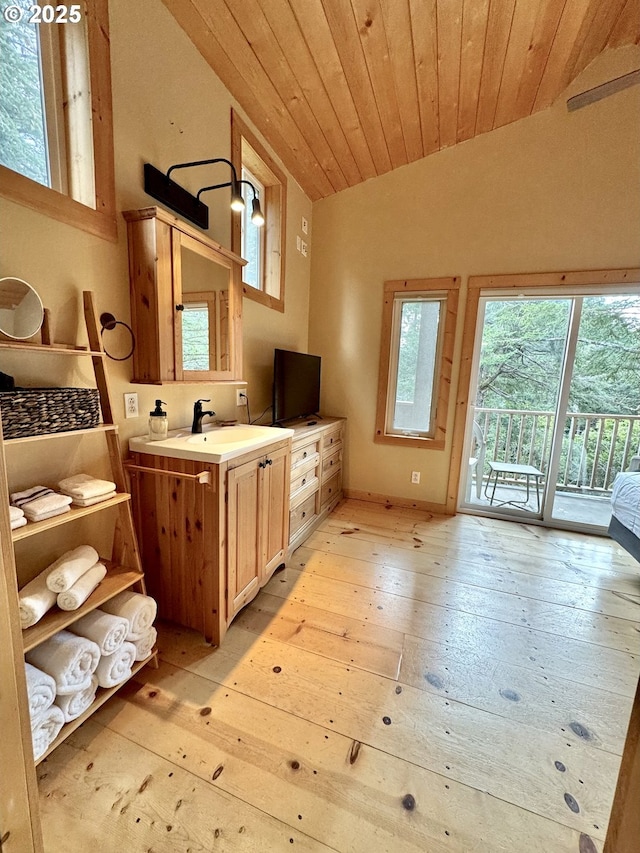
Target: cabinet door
<point x="243" y="534"/>
<point x="274" y="505"/>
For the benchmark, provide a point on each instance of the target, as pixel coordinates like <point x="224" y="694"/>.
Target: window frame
<point x="98" y="127"/>
<point x="246" y="148"/>
<point x="447" y="290"/>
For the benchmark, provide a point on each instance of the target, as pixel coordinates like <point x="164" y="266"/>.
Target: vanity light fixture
<point x="161" y="187"/>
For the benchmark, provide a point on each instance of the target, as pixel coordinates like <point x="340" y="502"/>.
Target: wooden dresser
<point x="316" y="475"/>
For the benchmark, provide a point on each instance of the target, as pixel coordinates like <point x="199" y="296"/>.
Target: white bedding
<point x="625" y="500"/>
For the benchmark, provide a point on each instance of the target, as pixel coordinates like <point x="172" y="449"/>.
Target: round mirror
<point x="21" y="310"/>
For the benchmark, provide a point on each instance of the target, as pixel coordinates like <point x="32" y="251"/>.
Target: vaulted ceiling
<point x="344" y="90"/>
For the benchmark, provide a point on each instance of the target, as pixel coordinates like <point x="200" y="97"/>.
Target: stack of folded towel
<point x="68" y="582"/>
<point x="17" y="517"/>
<point x="61" y="685"/>
<point x="40" y="502"/>
<point x="85" y="490"/>
<point x="98" y="650"/>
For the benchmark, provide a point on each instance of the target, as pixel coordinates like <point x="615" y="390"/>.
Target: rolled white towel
<point x="70" y="566"/>
<point x="35" y="600"/>
<point x="76" y="595"/>
<point x="15" y="513"/>
<point x="84" y="486"/>
<point x="107" y="631"/>
<point x="139" y="610"/>
<point x="96" y="500"/>
<point x="75" y="704"/>
<point x="45" y="728"/>
<point x="40" y="502"/>
<point x="116" y="668"/>
<point x="19" y="522"/>
<point x="68" y="659"/>
<point x="144" y="646"/>
<point x="41" y="690"/>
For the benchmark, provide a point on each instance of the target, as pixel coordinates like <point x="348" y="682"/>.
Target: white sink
<point x="213" y="444"/>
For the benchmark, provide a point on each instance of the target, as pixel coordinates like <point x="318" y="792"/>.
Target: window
<point x="262" y="248"/>
<point x="416" y="354"/>
<point x="56" y="146"/>
<point x="252" y="237"/>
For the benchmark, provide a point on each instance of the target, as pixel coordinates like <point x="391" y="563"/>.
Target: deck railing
<point x="595" y="447"/>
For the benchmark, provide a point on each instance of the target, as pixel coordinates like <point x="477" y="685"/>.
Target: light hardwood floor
<point x="407" y="683"/>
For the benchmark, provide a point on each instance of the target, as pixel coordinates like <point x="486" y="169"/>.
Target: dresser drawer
<point x="301" y="515"/>
<point x="300" y="454"/>
<point x="303" y="479"/>
<point x="332" y="462"/>
<point x="309" y="485"/>
<point x="332" y="438"/>
<point x="331" y="488"/>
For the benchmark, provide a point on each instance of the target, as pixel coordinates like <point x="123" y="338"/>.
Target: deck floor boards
<point x="408" y="683"/>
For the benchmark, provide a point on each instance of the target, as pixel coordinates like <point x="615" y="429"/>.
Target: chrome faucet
<point x="198" y="414"/>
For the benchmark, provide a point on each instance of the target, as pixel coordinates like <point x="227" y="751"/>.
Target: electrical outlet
<point x="304" y="226"/>
<point x="241" y="397"/>
<point x="303" y="248"/>
<point x="415" y="477"/>
<point x="131" y="405"/>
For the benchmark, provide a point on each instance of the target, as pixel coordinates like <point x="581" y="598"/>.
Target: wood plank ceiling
<point x="344" y="90"/>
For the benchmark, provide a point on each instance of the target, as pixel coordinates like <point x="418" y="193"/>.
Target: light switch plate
<point x="305" y="226"/>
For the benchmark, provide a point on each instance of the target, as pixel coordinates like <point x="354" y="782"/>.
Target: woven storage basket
<point x="39" y="411"/>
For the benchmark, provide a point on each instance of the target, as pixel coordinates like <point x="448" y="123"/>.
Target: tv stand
<point x="316" y="474"/>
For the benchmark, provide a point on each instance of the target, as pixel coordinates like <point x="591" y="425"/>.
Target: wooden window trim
<point x="516" y="283"/>
<point x="450" y="287"/>
<point x="100" y="221"/>
<point x="275" y="205"/>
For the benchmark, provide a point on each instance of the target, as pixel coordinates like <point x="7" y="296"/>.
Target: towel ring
<point x="109" y="322"/>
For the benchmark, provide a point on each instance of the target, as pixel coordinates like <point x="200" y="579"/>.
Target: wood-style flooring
<point x="407" y="683"/>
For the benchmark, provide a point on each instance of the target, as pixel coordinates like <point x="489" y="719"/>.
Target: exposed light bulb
<point x="257" y="216"/>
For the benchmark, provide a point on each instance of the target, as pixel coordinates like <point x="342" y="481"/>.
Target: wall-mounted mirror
<point x="21" y="309"/>
<point x="205" y="316"/>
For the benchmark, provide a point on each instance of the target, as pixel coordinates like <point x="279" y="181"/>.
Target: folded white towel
<point x="76" y="595"/>
<point x="19" y="522"/>
<point x="40" y="502"/>
<point x="35" y="600"/>
<point x="41" y="690"/>
<point x="92" y="501"/>
<point x="43" y="515"/>
<point x="140" y="611"/>
<point x="15" y="513"/>
<point x="70" y="566"/>
<point x="116" y="668"/>
<point x="107" y="631"/>
<point x="85" y="486"/>
<point x="68" y="659"/>
<point x="144" y="646"/>
<point x="77" y="703"/>
<point x="45" y="728"/>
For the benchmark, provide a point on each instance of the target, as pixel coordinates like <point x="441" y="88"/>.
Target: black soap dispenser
<point x="158" y="422"/>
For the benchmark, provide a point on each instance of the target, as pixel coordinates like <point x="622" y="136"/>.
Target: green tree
<point x="22" y="123"/>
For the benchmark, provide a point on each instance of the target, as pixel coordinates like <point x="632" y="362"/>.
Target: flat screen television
<point x="296" y="385"/>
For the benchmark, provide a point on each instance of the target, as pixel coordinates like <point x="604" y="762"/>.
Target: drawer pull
<point x="331" y="463"/>
<point x="304" y="514"/>
<point x="304" y="455"/>
<point x="330" y="441"/>
<point x="304" y="481"/>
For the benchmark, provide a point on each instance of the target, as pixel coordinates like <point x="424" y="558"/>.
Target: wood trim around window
<point x="480" y="283"/>
<point x="275" y="208"/>
<point x="101" y="220"/>
<point x="449" y="286"/>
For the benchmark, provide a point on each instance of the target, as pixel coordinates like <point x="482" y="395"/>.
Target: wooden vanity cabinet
<point x="211" y="535"/>
<point x="257" y="524"/>
<point x="178" y="277"/>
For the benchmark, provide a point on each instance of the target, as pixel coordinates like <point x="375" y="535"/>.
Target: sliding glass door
<point x="557" y="406"/>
